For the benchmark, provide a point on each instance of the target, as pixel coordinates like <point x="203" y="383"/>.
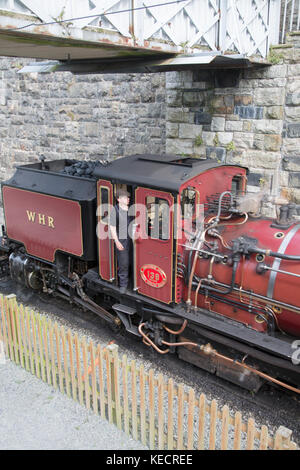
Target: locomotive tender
<point x="223" y="294"/>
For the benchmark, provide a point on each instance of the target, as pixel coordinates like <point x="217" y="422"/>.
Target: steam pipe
<point x="262" y="298"/>
<point x="207" y="349"/>
<point x="274" y="254"/>
<point x="270" y="323"/>
<point x="178" y="331"/>
<point x="230" y="288"/>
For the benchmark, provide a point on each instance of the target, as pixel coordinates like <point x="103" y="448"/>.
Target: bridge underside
<point x="79" y="56"/>
<point x="44" y="46"/>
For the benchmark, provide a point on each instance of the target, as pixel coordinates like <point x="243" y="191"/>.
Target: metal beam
<point x="143" y="65"/>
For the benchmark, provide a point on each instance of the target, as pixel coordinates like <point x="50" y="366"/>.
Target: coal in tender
<point x="82" y="169"/>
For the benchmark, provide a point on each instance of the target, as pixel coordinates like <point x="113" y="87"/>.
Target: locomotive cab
<point x="168" y="197"/>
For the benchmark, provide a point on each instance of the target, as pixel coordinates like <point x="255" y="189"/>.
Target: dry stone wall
<point x="60" y="115"/>
<point x="249" y="117"/>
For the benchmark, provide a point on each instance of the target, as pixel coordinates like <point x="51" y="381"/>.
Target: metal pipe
<point x="197" y="245"/>
<point x="279" y="271"/>
<point x="229" y="288"/>
<point x="176" y="332"/>
<point x="149" y="342"/>
<point x="257" y="372"/>
<point x="245" y="307"/>
<point x="262" y="298"/>
<point x="207" y="349"/>
<point x="220" y="204"/>
<point x="275" y="254"/>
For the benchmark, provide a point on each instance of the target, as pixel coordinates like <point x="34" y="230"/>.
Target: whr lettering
<point x="41" y="219"/>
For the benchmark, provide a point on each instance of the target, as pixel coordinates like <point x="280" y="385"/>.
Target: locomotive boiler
<point x="211" y="279"/>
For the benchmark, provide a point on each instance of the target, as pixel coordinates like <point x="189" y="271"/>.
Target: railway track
<point x="270" y="405"/>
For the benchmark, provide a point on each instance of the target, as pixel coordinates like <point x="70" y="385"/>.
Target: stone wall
<point x="60" y="115"/>
<point x="249" y="117"/>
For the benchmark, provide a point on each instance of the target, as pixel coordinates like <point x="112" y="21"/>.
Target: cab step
<point x="124" y="309"/>
<point x="124" y="313"/>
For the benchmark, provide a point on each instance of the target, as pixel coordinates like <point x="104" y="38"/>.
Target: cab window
<point x="188" y="202"/>
<point x="158" y="218"/>
<point x="104" y="198"/>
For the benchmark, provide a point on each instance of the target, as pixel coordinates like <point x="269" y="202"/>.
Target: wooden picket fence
<point x="162" y="415"/>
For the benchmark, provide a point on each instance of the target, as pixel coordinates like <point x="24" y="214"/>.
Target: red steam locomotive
<point x="212" y="280"/>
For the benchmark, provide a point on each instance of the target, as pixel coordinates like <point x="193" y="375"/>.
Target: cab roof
<point x="155" y="171"/>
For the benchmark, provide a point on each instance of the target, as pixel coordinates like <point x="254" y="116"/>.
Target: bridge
<point x="142" y="35"/>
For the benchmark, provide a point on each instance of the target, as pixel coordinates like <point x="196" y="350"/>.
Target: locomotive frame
<point x="211" y="297"/>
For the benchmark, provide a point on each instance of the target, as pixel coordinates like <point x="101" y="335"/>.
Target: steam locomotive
<point x="212" y="280"/>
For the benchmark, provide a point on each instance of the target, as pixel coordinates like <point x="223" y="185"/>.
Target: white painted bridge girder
<point x="113" y="28"/>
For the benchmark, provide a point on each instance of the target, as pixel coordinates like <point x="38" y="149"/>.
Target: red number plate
<point x="153" y="275"/>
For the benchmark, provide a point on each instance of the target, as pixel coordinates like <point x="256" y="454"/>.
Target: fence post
<point x="6" y="345"/>
<point x="282" y="439"/>
<point x="11" y="327"/>
<point x="113" y="352"/>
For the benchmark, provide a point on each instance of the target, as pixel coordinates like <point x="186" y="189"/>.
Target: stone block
<point x="293" y="130"/>
<point x="155" y="132"/>
<point x="208" y="138"/>
<point x="269" y="96"/>
<point x="274" y="112"/>
<point x="294" y="179"/>
<point x="243" y="100"/>
<point x="292" y="113"/>
<point x="218" y="124"/>
<point x="172" y="129"/>
<point x="222" y="104"/>
<point x="272" y="83"/>
<point x="293" y="70"/>
<point x="293" y="99"/>
<point x="243" y="140"/>
<point x="275" y="71"/>
<point x="234" y="126"/>
<point x="179" y="147"/>
<point x="189" y="131"/>
<point x="192" y="98"/>
<point x="174" y="98"/>
<point x="290" y="163"/>
<point x="91" y="129"/>
<point x="267" y="126"/>
<point x="249" y="112"/>
<point x="177" y="115"/>
<point x="173" y="77"/>
<point x="262" y="159"/>
<point x="259" y="141"/>
<point x="272" y="142"/>
<point x="257" y="159"/>
<point x="155" y="110"/>
<point x="254" y="178"/>
<point x="293" y="86"/>
<point x="199" y="151"/>
<point x="248" y="84"/>
<point x="3" y="97"/>
<point x="290" y="146"/>
<point x="201" y="117"/>
<point x="225" y="138"/>
<point x="217" y="153"/>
